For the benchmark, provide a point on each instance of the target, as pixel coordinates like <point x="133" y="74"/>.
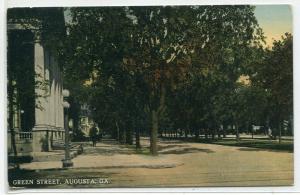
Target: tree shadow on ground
<point x="163" y="147"/>
<point x="270" y="145"/>
<point x="257" y="149"/>
<point x="103" y="141"/>
<point x="186" y="151"/>
<point x="170" y="141"/>
<point x="108" y="151"/>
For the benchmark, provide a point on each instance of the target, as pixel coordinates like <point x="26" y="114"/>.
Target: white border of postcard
<point x="68" y="3"/>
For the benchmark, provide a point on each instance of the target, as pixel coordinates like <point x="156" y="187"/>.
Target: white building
<point x="35" y="110"/>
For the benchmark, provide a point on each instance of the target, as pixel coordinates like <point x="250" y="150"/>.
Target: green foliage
<point x="48" y="24"/>
<point x="275" y="75"/>
<point x="179" y="62"/>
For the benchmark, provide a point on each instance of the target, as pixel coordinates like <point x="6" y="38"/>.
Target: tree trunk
<point x="118" y="132"/>
<point x="129" y="139"/>
<point x="280" y="129"/>
<point x="197" y="134"/>
<point x="224" y="132"/>
<point x="219" y="134"/>
<point x="123" y="137"/>
<point x="237" y="133"/>
<point x="156" y="114"/>
<point x="247" y="128"/>
<point x="137" y="139"/>
<point x="275" y="134"/>
<point x="161" y="133"/>
<point x="153" y="135"/>
<point x="213" y="134"/>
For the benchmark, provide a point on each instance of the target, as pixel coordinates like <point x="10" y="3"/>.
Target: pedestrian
<point x="94" y="135"/>
<point x="80" y="149"/>
<point x="270" y="133"/>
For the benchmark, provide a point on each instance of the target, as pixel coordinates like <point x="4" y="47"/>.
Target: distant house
<point x="86" y="121"/>
<point x="35" y="109"/>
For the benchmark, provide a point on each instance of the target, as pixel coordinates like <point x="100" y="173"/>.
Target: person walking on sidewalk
<point x="94" y="135"/>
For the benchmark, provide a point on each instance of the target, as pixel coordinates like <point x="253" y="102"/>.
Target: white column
<point x="41" y="129"/>
<point x="58" y="101"/>
<point x="56" y="94"/>
<point x="52" y="93"/>
<point x="40" y="101"/>
<point x="61" y="108"/>
<point x="47" y="111"/>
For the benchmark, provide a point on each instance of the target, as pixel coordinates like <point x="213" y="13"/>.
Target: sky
<point x="275" y="20"/>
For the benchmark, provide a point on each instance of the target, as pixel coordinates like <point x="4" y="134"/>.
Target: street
<point x="178" y="164"/>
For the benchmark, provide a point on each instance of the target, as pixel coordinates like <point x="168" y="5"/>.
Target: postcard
<point x="150" y="96"/>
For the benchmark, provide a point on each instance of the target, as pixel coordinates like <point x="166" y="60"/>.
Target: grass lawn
<point x="260" y="143"/>
<point x="285" y="145"/>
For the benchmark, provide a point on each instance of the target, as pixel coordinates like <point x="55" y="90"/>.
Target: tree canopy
<point x="152" y="68"/>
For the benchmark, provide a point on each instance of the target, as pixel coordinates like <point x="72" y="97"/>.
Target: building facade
<point x="35" y="101"/>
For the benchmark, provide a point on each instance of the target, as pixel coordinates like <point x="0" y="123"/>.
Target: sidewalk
<point x="107" y="154"/>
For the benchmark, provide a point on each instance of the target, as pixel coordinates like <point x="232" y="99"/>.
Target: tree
<point x="164" y="47"/>
<point x="195" y="35"/>
<point x="161" y="56"/>
<point x="275" y="76"/>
